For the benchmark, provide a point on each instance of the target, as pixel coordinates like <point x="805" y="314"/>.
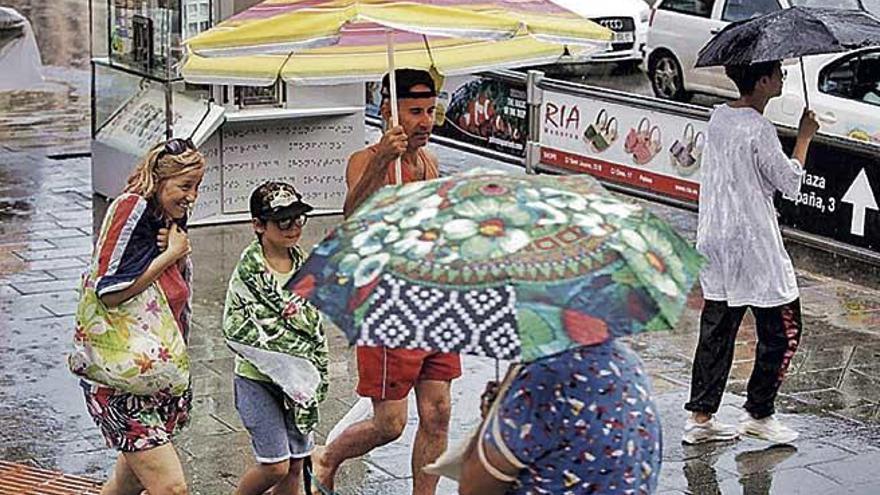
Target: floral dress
<point x="579" y="422"/>
<point x="126" y="247"/>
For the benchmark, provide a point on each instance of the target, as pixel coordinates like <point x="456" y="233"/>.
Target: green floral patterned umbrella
<point x="503" y="266"/>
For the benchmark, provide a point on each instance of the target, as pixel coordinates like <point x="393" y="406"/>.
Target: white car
<point x="627" y="18"/>
<point x="678" y="29"/>
<point x="844" y="91"/>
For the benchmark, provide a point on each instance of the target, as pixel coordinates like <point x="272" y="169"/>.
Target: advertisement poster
<point x="649" y="150"/>
<point x="484" y="112"/>
<point x="488" y="113"/>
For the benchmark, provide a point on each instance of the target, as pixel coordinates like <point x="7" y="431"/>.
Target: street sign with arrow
<point x="839" y="191"/>
<point x="861" y="197"/>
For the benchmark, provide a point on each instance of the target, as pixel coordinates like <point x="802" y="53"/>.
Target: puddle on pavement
<point x="17" y="185"/>
<point x="11" y="209"/>
<point x="755" y="468"/>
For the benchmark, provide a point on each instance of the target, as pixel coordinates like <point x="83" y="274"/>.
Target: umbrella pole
<point x="392" y="86"/>
<point x="804" y="82"/>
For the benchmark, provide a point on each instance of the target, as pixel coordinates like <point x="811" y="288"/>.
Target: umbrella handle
<point x="804" y="82"/>
<point x="392" y="86"/>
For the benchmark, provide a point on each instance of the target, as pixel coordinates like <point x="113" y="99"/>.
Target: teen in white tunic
<point x="748" y="268"/>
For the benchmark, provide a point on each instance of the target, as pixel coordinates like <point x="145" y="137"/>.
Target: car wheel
<point x="667" y="80"/>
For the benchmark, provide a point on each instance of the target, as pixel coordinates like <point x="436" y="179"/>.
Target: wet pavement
<point x="832" y="394"/>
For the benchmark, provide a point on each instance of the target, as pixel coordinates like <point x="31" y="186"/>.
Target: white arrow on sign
<point x="861" y="196"/>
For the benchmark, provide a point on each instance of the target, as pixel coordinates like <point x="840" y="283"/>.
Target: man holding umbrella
<point x="373" y="167"/>
<point x="748" y="267"/>
<point x="388" y="375"/>
<point x="743" y="167"/>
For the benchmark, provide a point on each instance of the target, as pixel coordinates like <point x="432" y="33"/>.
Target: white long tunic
<point x="738" y="232"/>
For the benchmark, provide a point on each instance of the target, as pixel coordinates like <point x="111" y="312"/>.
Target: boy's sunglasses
<point x="287" y="223"/>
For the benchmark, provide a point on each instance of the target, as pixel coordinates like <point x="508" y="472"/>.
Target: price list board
<point x="210" y="198"/>
<point x="311" y="153"/>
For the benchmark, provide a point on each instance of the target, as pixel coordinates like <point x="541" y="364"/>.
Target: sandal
<point x="309" y="480"/>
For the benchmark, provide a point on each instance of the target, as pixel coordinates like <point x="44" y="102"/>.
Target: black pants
<point x="779" y="331"/>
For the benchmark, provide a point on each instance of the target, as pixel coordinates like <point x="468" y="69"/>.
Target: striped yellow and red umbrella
<point x="337" y="41"/>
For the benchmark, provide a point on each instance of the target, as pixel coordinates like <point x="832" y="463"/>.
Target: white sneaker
<point x="769" y="429"/>
<point x="710" y="431"/>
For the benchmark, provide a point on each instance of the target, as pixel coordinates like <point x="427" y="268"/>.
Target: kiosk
<point x="248" y="134"/>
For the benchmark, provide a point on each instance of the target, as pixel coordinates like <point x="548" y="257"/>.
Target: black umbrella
<point x="791" y="33"/>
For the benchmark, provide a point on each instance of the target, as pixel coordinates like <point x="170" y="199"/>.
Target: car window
<point x="741" y="10"/>
<point x="834" y="4"/>
<point x="702" y="8"/>
<point x="855" y="78"/>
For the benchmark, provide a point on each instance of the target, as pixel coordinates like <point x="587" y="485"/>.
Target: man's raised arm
<point x="368" y="169"/>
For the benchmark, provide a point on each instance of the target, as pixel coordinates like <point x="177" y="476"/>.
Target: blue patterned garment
<point x="581" y="422"/>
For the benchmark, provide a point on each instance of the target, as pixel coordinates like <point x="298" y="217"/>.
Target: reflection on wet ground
<point x="54" y="114"/>
<point x="57" y="111"/>
<point x="831" y="394"/>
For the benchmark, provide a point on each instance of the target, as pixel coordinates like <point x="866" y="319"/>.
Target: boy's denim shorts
<point x="274" y="434"/>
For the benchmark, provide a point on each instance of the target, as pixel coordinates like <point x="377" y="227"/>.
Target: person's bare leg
<point x="386" y="426"/>
<point x="122" y="481"/>
<point x="434" y="402"/>
<point x="158" y="470"/>
<point x="261" y="477"/>
<point x="289" y="484"/>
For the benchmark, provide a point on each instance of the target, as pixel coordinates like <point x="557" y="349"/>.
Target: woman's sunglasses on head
<point x="175" y="147"/>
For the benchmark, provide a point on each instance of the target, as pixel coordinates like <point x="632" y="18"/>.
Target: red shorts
<point x="389" y="374"/>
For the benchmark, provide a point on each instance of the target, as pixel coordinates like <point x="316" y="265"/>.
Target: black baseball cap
<point x="274" y="200"/>
<point x="406" y="79"/>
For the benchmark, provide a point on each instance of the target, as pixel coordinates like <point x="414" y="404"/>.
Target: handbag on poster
<point x="602" y="133"/>
<point x="648" y="145"/>
<point x="633" y="137"/>
<point x="686" y="153"/>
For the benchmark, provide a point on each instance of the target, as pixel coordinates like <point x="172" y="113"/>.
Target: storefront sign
<point x="140" y="122"/>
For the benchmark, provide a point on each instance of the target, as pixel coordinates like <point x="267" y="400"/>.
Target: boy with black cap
<point x="388" y="375"/>
<point x="281" y="350"/>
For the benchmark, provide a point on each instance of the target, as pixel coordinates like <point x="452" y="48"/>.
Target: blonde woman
<point x="139" y="286"/>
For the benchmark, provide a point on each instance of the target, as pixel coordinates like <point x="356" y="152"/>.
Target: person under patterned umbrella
<point x="543" y="270"/>
<point x="386" y="376"/>
<point x="581" y="421"/>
